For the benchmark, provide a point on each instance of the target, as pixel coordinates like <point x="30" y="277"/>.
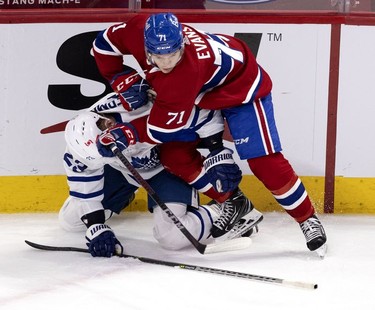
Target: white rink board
<point x="298" y="65"/>
<point x="356" y="109"/>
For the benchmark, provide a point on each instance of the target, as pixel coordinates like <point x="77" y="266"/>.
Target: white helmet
<point x="80" y="135"/>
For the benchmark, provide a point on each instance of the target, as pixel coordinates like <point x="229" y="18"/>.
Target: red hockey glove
<point x="123" y="135"/>
<point x="131" y="88"/>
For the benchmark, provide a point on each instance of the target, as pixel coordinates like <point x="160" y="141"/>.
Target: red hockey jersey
<point x="216" y="72"/>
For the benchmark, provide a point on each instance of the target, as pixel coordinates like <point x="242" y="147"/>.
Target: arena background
<point x="319" y="54"/>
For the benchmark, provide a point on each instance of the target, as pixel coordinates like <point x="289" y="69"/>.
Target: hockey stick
<point x="228" y="245"/>
<point x="186" y="266"/>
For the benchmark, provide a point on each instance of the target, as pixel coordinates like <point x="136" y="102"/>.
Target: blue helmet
<point x="163" y="34"/>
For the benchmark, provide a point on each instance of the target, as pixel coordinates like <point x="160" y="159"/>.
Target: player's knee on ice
<point x="165" y="231"/>
<point x="197" y="221"/>
<point x="69" y="217"/>
<point x="73" y="210"/>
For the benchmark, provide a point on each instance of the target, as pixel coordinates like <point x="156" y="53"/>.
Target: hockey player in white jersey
<point x="100" y="186"/>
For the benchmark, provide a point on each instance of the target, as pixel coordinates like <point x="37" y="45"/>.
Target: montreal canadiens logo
<point x="241" y="1"/>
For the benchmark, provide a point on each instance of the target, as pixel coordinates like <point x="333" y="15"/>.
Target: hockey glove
<point x="223" y="173"/>
<point x="102" y="241"/>
<point x="132" y="89"/>
<point x="122" y="134"/>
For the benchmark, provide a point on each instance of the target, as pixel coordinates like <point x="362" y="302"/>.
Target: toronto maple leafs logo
<point x="147" y="162"/>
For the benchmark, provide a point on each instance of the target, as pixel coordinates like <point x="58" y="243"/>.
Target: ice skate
<point x="251" y="231"/>
<point x="238" y="216"/>
<point x="315" y="235"/>
<point x="246" y="226"/>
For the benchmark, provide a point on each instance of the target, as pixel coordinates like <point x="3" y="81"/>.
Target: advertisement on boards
<point x="50" y="75"/>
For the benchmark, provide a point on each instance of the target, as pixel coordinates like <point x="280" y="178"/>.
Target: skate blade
<point x="237" y="232"/>
<point x="254" y="225"/>
<point x="322" y="251"/>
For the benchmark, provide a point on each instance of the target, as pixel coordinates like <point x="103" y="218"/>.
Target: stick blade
<point x="54" y="128"/>
<point x="55" y="248"/>
<point x="228" y="245"/>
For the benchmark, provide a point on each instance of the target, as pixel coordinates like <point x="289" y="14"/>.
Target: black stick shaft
<point x="199" y="246"/>
<point x="186" y="266"/>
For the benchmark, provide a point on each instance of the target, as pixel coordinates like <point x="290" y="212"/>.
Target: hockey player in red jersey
<point x="189" y="69"/>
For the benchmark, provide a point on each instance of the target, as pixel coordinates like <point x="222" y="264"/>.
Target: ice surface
<point x="35" y="279"/>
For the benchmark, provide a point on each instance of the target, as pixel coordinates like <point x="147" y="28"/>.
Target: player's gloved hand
<point x="132" y="89"/>
<point x="224" y="174"/>
<point x="102" y="241"/>
<point x="122" y="134"/>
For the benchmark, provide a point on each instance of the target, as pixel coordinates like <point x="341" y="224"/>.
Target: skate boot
<point x="315" y="235"/>
<point x="246" y="226"/>
<point x="236" y="210"/>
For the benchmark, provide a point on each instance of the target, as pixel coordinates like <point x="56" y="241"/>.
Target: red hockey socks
<point x="278" y="176"/>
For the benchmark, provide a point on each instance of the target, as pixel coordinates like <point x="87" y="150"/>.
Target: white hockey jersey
<point x="86" y="177"/>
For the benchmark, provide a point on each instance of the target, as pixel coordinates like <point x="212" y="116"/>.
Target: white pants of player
<point x="198" y="221"/>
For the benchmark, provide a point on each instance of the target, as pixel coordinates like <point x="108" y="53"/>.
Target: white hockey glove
<point x="224" y="174"/>
<point x="102" y="241"/>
